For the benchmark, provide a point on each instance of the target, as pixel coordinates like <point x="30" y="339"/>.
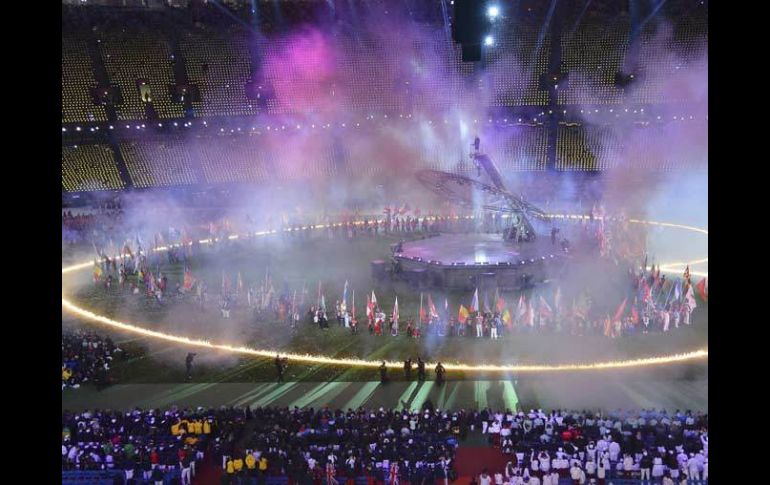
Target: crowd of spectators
<point x="308" y="444"/>
<point x="388" y="445"/>
<point x="145" y="444"/>
<point x="87" y="357"/>
<point x="589" y="447"/>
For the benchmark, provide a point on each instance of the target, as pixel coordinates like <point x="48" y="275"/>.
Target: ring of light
<point x="320" y="359"/>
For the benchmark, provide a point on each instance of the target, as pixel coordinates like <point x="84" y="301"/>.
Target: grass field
<point x="332" y="262"/>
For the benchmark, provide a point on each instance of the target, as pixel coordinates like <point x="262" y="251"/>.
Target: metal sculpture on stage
<point x="471" y="193"/>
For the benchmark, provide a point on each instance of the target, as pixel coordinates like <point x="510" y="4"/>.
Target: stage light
<point x="489" y="40"/>
<point x="77" y="128"/>
<point x="493" y="11"/>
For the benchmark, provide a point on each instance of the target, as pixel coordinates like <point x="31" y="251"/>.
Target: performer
<point x="383" y="372"/>
<point x="188" y="364"/>
<point x="439" y="374"/>
<point x="280" y="367"/>
<point x="408" y="369"/>
<point x="420" y="369"/>
<point x="479" y="325"/>
<point x="331" y="472"/>
<point x="393" y="474"/>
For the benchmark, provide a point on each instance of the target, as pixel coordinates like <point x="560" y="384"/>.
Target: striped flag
<point x="463" y="314"/>
<point x="475" y="302"/>
<point x="432" y="307"/>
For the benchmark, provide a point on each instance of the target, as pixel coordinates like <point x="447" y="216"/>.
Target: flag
<point x="557" y="299"/>
<point x="422" y="316"/>
<point x="687" y="275"/>
<point x="225" y="284"/>
<point x="486" y="303"/>
<point x="521" y="309"/>
<point x="475" y="302"/>
<point x="97" y="271"/>
<point x="432" y="307"/>
<point x="369" y="307"/>
<point x="689" y="298"/>
<point x="607" y="326"/>
<point x="345" y="293"/>
<point x="507" y="318"/>
<point x="620" y="310"/>
<point x="463" y="314"/>
<point x="446" y="306"/>
<point x="677" y="290"/>
<point x="323" y="303"/>
<point x="634" y="315"/>
<point x="188" y="279"/>
<point x="545" y="309"/>
<point x="529" y="314"/>
<point x="644" y="267"/>
<point x="240" y="282"/>
<point x="353" y="305"/>
<point x="646" y="292"/>
<point x="374" y="299"/>
<point x="703" y="288"/>
<point x="499" y="302"/>
<point x="395" y="312"/>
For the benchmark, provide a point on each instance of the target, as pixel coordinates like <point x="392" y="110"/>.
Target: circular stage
<point x="466" y="261"/>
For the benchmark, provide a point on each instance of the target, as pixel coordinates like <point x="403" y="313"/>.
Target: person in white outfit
<point x="693" y="470"/>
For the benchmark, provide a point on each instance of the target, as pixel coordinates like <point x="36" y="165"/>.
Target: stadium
<point x="427" y="241"/>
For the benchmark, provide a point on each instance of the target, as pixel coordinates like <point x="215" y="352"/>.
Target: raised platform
<point x="466" y="261"/>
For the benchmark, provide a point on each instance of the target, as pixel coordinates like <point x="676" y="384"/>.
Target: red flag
<point x="647" y="291"/>
<point x="529" y="315"/>
<point x="188" y="280"/>
<point x="607" y="326"/>
<point x="619" y="312"/>
<point x="500" y="304"/>
<point x="369" y="307"/>
<point x="634" y="315"/>
<point x="702" y="288"/>
<point x="423" y="316"/>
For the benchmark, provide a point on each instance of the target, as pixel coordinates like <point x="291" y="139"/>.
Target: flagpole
<point x="669" y="295"/>
<point x="419" y="313"/>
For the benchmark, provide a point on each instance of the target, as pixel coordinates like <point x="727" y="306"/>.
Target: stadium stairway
<point x="208" y="473"/>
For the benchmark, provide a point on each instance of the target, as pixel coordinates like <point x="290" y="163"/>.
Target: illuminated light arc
<point x="350" y="362"/>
